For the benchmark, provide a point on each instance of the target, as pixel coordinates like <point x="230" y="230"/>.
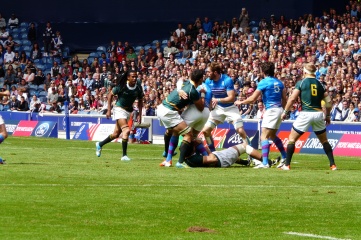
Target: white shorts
<point x="195" y="118"/>
<point x="227" y="157"/>
<point x="272" y="118"/>
<point x="307" y="119"/>
<point x="231" y="114"/>
<point x="120" y="113"/>
<point x="1" y="120"/>
<point x="168" y="118"/>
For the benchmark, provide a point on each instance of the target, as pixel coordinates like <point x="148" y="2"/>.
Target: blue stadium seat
<point x="93" y="54"/>
<point x="24" y="24"/>
<point x="15" y="30"/>
<point x="33" y="92"/>
<point x="66" y="49"/>
<point x="26" y="43"/>
<point x="137" y="48"/>
<point x="24" y="36"/>
<point x="90" y="60"/>
<point x="41" y="87"/>
<point x="27" y="53"/>
<point x="16" y="36"/>
<point x="255" y="29"/>
<point x="42" y="99"/>
<point x="165" y="41"/>
<point x="40" y="61"/>
<point x="43" y="93"/>
<point x="40" y="66"/>
<point x="23" y="30"/>
<point x="155" y="41"/>
<point x="18" y="48"/>
<point x="26" y="48"/>
<point x="146" y="47"/>
<point x="101" y="49"/>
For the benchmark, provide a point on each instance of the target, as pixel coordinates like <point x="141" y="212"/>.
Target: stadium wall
<point x="87" y="24"/>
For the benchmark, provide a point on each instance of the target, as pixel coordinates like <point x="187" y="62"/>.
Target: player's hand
<point x="214" y="102"/>
<point x="182" y="94"/>
<point x="328" y="120"/>
<point x="108" y="114"/>
<point x="283" y="116"/>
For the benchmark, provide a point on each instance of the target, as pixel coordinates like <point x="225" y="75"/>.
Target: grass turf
<point x="58" y="189"/>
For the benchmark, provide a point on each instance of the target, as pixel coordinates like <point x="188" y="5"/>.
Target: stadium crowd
<point x="330" y="41"/>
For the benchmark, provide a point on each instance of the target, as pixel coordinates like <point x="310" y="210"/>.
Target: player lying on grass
<point x="222" y="158"/>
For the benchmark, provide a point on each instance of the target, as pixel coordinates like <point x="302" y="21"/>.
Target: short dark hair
<point x="268" y="68"/>
<point x="197" y="75"/>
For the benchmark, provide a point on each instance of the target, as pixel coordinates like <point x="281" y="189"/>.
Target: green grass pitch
<point x="59" y="189"/>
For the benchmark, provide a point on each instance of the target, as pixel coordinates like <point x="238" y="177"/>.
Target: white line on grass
<point x="161" y="185"/>
<point x="314" y="236"/>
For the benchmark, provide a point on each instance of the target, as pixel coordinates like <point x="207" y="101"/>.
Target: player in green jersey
<point x="311" y="92"/>
<point x="127" y="91"/>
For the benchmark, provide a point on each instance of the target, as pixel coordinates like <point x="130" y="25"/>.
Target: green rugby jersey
<point x="127" y="96"/>
<point x="312" y="93"/>
<point x="174" y="102"/>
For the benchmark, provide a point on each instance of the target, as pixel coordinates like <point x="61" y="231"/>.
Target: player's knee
<point x="238" y="125"/>
<point x="240" y="148"/>
<point x="212" y="158"/>
<point x="185" y="131"/>
<point x="209" y="126"/>
<point x="126" y="131"/>
<point x="249" y="149"/>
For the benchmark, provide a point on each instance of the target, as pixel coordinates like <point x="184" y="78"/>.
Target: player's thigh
<point x="232" y="114"/>
<point x="303" y="122"/>
<point x="318" y="122"/>
<point x="167" y="117"/>
<point x="217" y="114"/>
<point x="272" y="118"/>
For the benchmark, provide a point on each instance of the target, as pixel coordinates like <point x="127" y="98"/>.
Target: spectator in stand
<point x="48" y="35"/>
<point x="29" y="76"/>
<point x="88" y="82"/>
<point x="57" y="43"/>
<point x="4" y="35"/>
<point x="345" y="110"/>
<point x="9" y="57"/>
<point x="32" y="35"/>
<point x="243" y="20"/>
<point x="24" y="105"/>
<point x="80" y="89"/>
<point x="55" y="108"/>
<point x="13" y="22"/>
<point x="120" y="52"/>
<point x="53" y="96"/>
<point x="39" y="78"/>
<point x="169" y="49"/>
<point x="10" y="43"/>
<point x="111" y="49"/>
<point x="14" y="103"/>
<point x="151" y="56"/>
<point x="207" y="25"/>
<point x="97" y="83"/>
<point x="131" y="55"/>
<point x="70" y="89"/>
<point x="9" y="79"/>
<point x="23" y="60"/>
<point x="5" y="103"/>
<point x="127" y="47"/>
<point x="55" y="69"/>
<point x="2" y="21"/>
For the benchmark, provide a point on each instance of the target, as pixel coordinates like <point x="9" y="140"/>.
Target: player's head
<point x="197" y="76"/>
<point x="214" y="68"/>
<point x="268" y="68"/>
<point x="309" y="69"/>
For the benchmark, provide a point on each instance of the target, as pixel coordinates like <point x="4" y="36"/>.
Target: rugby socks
<point x="202" y="149"/>
<point x="167" y="138"/>
<point x="185" y="151"/>
<point x="328" y="150"/>
<point x="105" y="141"/>
<point x="210" y="143"/>
<point x="277" y="141"/>
<point x="124" y="146"/>
<point x="173" y="143"/>
<point x="290" y="151"/>
<point x="265" y="151"/>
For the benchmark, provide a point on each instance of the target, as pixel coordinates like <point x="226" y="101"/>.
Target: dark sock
<point x="124" y="146"/>
<point x="105" y="141"/>
<point x="242" y="162"/>
<point x="167" y="138"/>
<point x="290" y="151"/>
<point x="185" y="150"/>
<point x="328" y="150"/>
<point x="277" y="141"/>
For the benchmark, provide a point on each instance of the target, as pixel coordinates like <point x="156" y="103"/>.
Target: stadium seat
<point x="33" y="92"/>
<point x="42" y="99"/>
<point x="40" y="66"/>
<point x="23" y="30"/>
<point x="26" y="48"/>
<point x="40" y="61"/>
<point x="90" y="60"/>
<point x="43" y="93"/>
<point x="24" y="24"/>
<point x="27" y="53"/>
<point x="165" y="41"/>
<point x="15" y="30"/>
<point x="18" y="48"/>
<point x="155" y="41"/>
<point x="137" y="48"/>
<point x="255" y="29"/>
<point x="16" y="36"/>
<point x="93" y="54"/>
<point x="101" y="49"/>
<point x="146" y="47"/>
<point x="26" y="43"/>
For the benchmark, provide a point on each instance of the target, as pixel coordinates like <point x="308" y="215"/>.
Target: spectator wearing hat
<point x="53" y="96"/>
